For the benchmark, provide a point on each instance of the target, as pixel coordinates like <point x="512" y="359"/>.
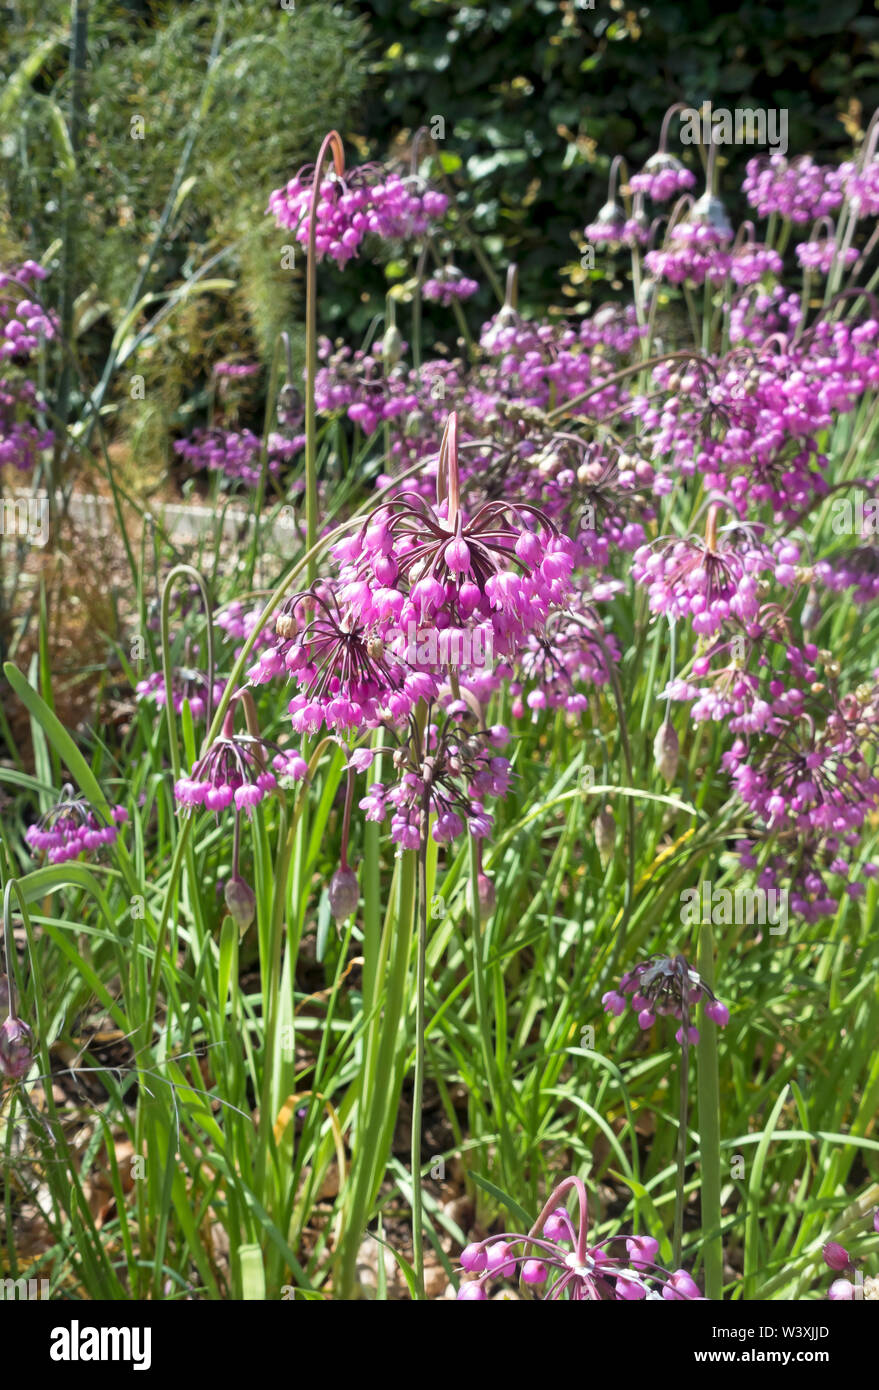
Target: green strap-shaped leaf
<point x="58" y="737"/>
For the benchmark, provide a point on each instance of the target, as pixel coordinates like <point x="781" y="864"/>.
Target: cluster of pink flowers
<point x="555" y="1260"/>
<point x="237" y="622"/>
<point x="447" y="285"/>
<point x="666" y="985"/>
<point x="820" y="254"/>
<point x="697" y="247"/>
<point x="22" y="436"/>
<point x="187" y="685"/>
<point x="366" y="201"/>
<point x="663" y="177"/>
<point x="234" y="771"/>
<point x="798" y="189"/>
<point x="451" y="779"/>
<point x="24" y="327"/>
<point x="346" y="678"/>
<point x="24" y="324"/>
<point x="72" y="827"/>
<point x="558" y="665"/>
<point x="237" y="454"/>
<point x="850" y="1284"/>
<point x="612" y="227"/>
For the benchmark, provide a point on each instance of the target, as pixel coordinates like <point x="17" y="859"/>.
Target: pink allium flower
<point x="72" y="827"/>
<point x="666" y="985"/>
<point x="447" y="285"/>
<point x="592" y="1273"/>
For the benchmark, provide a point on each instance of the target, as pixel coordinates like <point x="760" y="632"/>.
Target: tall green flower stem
<point x="382" y="1075"/>
<point x="484" y="1019"/>
<point x="271" y="935"/>
<point x="418" y="1081"/>
<point x="79" y="19"/>
<point x="681" y="1155"/>
<point x="709" y="1131"/>
<point x="332" y="144"/>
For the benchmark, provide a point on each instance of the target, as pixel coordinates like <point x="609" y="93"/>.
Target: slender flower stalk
<point x="331" y="145"/>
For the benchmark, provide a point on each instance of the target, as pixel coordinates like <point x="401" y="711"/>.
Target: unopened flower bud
<point x="344" y="893"/>
<point x="487" y="896"/>
<point x="555" y="1227"/>
<point x="841" y="1290"/>
<point x="240" y="902"/>
<point x="605" y="829"/>
<point x="392" y="344"/>
<point x="506" y="317"/>
<point x="666" y="752"/>
<point x="836" y="1256"/>
<point x="473" y="1258"/>
<point x="471" y="1292"/>
<point x="16" y="1048"/>
<point x="289" y="407"/>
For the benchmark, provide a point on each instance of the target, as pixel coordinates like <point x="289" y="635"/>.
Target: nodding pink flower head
<point x="352" y="204"/>
<point x="234" y="769"/>
<point x="331" y="642"/>
<point x="498" y="570"/>
<point x="664" y="985"/>
<point x="450" y="780"/>
<point x="556" y="1254"/>
<point x="72" y="827"/>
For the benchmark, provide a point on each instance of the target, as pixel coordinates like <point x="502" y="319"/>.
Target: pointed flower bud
<point x="666" y="752"/>
<point x="487" y="896"/>
<point x="240" y="902"/>
<point x="16" y="1048"/>
<point x="836" y="1256"/>
<point x="392" y="344"/>
<point x="605" y="828"/>
<point x="344" y="893"/>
